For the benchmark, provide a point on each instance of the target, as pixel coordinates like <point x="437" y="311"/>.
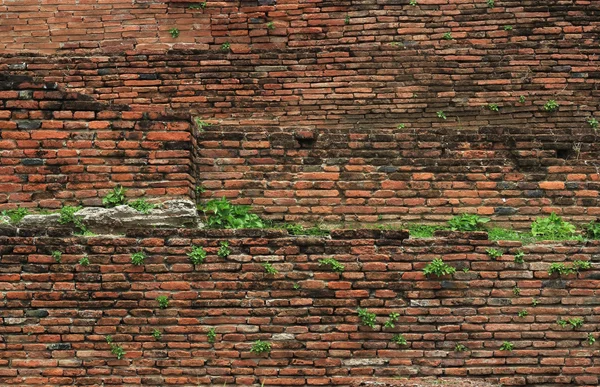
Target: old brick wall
<point x="60" y="147"/>
<point x="350" y="71"/>
<point x="55" y="316"/>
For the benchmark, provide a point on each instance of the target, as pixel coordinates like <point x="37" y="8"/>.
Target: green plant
<point x="519" y="256"/>
<point x="57" y="255"/>
<point x="201" y="124"/>
<point x="200" y="189"/>
<point x="447" y="36"/>
<point x="261" y="347"/>
<point x="494" y="253"/>
<point x="197" y="255"/>
<point x="163" y="302"/>
<point x="296" y="286"/>
<point x="552" y="227"/>
<point x="211" y="335"/>
<point x="367" y="318"/>
<point x="269" y="269"/>
<point x="157" y="334"/>
<point x="438" y="268"/>
<point x="490" y="3"/>
<point x="174" y="32"/>
<point x="441" y="114"/>
<point x="467" y="222"/>
<point x="590" y="339"/>
<point x="401" y="126"/>
<point x="333" y="264"/>
<point x="560" y="268"/>
<point x="198" y="6"/>
<point x="593" y="123"/>
<point x="465" y="269"/>
<point x="222" y="214"/>
<point x="226" y="46"/>
<point x="114" y="198"/>
<point x="509" y="28"/>
<point x="576" y="322"/>
<point x="460" y="348"/>
<point x="517" y="291"/>
<point x="507" y="346"/>
<point x="561" y="322"/>
<point x="347" y="19"/>
<point x="141" y="205"/>
<point x="297" y="229"/>
<point x="551" y="106"/>
<point x="67" y="215"/>
<point x="523" y="313"/>
<point x="493" y="107"/>
<point x="224" y="250"/>
<point x="392" y="320"/>
<point x="422" y="230"/>
<point x="16" y="215"/>
<point x="85" y="261"/>
<point x="271" y="25"/>
<point x="399" y="339"/>
<point x="535" y="302"/>
<point x="115" y="349"/>
<point x="592" y="230"/>
<point x="138" y="258"/>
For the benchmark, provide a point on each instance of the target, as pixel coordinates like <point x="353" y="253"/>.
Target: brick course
<point x="55" y="316"/>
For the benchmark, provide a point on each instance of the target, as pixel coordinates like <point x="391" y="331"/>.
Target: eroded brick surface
<point x="55" y="316"/>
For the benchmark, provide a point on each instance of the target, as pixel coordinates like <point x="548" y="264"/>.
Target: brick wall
<point x="61" y="147"/>
<point x="350" y="72"/>
<point x="55" y="316"/>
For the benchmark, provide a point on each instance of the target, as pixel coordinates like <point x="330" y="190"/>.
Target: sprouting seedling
<point x="522" y="99"/>
<point x="138" y="258"/>
<point x="508" y="28"/>
<point x="115" y="349"/>
<point x="269" y="269"/>
<point x="224" y="250"/>
<point x="447" y="36"/>
<point x="211" y="335"/>
<point x="201" y="5"/>
<point x="535" y="302"/>
<point x="490" y="3"/>
<point x="516" y="291"/>
<point x="401" y="126"/>
<point x="260" y="346"/>
<point x="523" y="313"/>
<point x="347" y="19"/>
<point x="270" y="25"/>
<point x="197" y="255"/>
<point x="57" y="255"/>
<point x="493" y="107"/>
<point x="174" y="32"/>
<point x="507" y="346"/>
<point x="441" y="114"/>
<point x="551" y="106"/>
<point x="465" y="269"/>
<point x="399" y="339"/>
<point x="201" y="124"/>
<point x="494" y="253"/>
<point x="575" y="322"/>
<point x="296" y="286"/>
<point x="226" y="46"/>
<point x="590" y="339"/>
<point x="593" y="123"/>
<point x="367" y="318"/>
<point x="519" y="255"/>
<point x="163" y="302"/>
<point x="85" y="261"/>
<point x="392" y="320"/>
<point x="561" y="322"/>
<point x="460" y="347"/>
<point x="333" y="264"/>
<point x="157" y="334"/>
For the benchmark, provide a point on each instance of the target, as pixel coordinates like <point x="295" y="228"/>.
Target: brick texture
<point x="305" y="114"/>
<point x="55" y="316"/>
